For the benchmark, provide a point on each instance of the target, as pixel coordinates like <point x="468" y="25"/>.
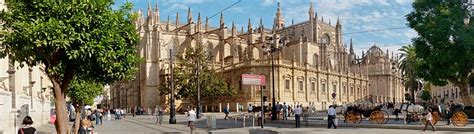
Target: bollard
<point x="244" y="120"/>
<point x="253" y="120"/>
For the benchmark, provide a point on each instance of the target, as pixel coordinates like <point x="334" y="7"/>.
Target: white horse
<point x="409" y="109"/>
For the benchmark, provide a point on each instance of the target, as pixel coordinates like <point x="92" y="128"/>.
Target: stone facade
<point x="311" y="63"/>
<point x="23" y="91"/>
<point x="444" y="94"/>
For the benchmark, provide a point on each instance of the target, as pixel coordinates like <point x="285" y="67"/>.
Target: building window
<point x="334" y="89"/>
<point x="352" y="90"/>
<point x="344" y="90"/>
<point x="313" y="86"/>
<point x="287" y="84"/>
<point x="301" y="85"/>
<point x="323" y="88"/>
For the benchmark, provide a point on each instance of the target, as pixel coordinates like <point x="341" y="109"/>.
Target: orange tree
<point x="84" y="39"/>
<point x="445" y="45"/>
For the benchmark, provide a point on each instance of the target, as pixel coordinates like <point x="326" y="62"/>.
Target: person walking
<point x="191" y="120"/>
<point x="226" y="112"/>
<point x="285" y="111"/>
<point x="428" y="117"/>
<point x="250" y="108"/>
<point x="449" y="114"/>
<point x="298" y="111"/>
<point x="27" y="128"/>
<point x="97" y="117"/>
<point x="159" y="115"/>
<point x="331" y="117"/>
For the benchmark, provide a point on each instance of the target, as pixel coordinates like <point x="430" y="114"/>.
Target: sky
<point x="361" y="19"/>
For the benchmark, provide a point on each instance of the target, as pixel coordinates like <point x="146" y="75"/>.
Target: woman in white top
<point x="429" y="119"/>
<point x="191" y="119"/>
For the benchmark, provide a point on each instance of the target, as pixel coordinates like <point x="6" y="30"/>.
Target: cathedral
<point x="311" y="62"/>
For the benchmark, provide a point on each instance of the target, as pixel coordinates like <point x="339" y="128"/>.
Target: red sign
<point x="249" y="79"/>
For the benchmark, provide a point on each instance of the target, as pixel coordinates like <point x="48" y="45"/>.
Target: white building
<point x="23" y="91"/>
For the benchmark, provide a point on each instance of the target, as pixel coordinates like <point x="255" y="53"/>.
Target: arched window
<point x="325" y="39"/>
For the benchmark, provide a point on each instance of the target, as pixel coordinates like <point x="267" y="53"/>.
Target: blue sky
<point x="356" y="16"/>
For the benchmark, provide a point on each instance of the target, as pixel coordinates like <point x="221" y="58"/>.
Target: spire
<point x="190" y="15"/>
<point x="279" y="20"/>
<point x="322" y="18"/>
<point x="206" y="26"/>
<point x="199" y="23"/>
<point x="242" y="30"/>
<point x="316" y="15"/>
<point x="249" y="26"/>
<point x="177" y="19"/>
<point x="234" y="29"/>
<point x="222" y="20"/>
<point x="168" y="23"/>
<point x="337" y="22"/>
<point x="311" y="10"/>
<point x="149" y="14"/>
<point x="329" y="21"/>
<point x="149" y="9"/>
<point x="351" y="49"/>
<point x="157" y="13"/>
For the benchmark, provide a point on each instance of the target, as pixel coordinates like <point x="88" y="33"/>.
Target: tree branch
<point x="68" y="75"/>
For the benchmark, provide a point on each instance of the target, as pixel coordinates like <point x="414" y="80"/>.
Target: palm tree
<point x="407" y="65"/>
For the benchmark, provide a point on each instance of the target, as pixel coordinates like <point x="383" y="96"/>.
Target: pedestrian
<point x="226" y="112"/>
<point x="101" y="113"/>
<point x="159" y="115"/>
<point x="27" y="128"/>
<point x="285" y="111"/>
<point x="83" y="127"/>
<point x="250" y="108"/>
<point x="191" y="120"/>
<point x="298" y="111"/>
<point x="278" y="109"/>
<point x="449" y="114"/>
<point x="108" y="114"/>
<point x="331" y="117"/>
<point x="428" y="118"/>
<point x="123" y="112"/>
<point x="97" y="117"/>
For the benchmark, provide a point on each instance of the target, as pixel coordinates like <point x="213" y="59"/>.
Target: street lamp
<point x="172" y="107"/>
<point x="272" y="50"/>
<point x="467" y="18"/>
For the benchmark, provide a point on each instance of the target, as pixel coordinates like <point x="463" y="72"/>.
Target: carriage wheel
<point x="377" y="117"/>
<point x="436" y="117"/>
<point x="353" y="118"/>
<point x="459" y="119"/>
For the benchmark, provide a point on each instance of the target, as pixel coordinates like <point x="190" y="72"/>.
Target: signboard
<point x="250" y="79"/>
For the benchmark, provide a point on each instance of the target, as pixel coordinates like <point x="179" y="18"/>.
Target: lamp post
<point x="172" y="107"/>
<point x="273" y="48"/>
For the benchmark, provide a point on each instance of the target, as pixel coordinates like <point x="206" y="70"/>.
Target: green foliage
<point x="87" y="38"/>
<point x="444" y="45"/>
<point x="407" y="65"/>
<point x="211" y="84"/>
<point x="83" y="91"/>
<point x="425" y="95"/>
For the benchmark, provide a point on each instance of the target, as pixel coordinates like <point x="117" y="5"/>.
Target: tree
<point x="185" y="76"/>
<point x="407" y="65"/>
<point x="89" y="38"/>
<point x="444" y="45"/>
<point x="83" y="92"/>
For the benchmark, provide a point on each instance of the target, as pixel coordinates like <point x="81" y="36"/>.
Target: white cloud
<point x="178" y="6"/>
<point x="403" y="2"/>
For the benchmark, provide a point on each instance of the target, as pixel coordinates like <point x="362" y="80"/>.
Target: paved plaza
<point x="146" y="125"/>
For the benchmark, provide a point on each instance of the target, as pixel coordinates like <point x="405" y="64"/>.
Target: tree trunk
<point x="466" y="98"/>
<point x="61" y="119"/>
<point x="78" y="119"/>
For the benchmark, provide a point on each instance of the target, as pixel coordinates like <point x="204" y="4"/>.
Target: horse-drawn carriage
<point x="459" y="114"/>
<point x="356" y="112"/>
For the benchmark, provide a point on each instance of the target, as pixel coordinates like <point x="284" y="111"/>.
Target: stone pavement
<point x="146" y="124"/>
